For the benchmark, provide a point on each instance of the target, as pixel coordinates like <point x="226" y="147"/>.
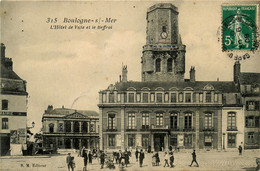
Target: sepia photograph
<point x="130" y="85"/>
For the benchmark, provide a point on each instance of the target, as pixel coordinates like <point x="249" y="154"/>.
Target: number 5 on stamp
<point x="239" y="27"/>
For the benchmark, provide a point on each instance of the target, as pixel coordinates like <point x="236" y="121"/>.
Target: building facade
<point x="13" y="114"/>
<point x="69" y="129"/>
<point x="248" y="84"/>
<point x="164" y="109"/>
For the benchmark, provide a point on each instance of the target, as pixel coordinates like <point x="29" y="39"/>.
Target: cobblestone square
<point x="210" y="160"/>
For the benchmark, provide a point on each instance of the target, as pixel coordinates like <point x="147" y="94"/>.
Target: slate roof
<point x="223" y="86"/>
<point x="66" y="111"/>
<point x="249" y="78"/>
<point x="7" y="73"/>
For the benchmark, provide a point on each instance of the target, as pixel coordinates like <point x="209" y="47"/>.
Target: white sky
<point x="61" y="65"/>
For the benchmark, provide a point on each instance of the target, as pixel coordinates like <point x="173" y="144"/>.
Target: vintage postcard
<point x="130" y="85"/>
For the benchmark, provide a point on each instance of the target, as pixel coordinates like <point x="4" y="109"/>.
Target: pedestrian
<point x="141" y="158"/>
<point x="157" y="159"/>
<point x="166" y="158"/>
<point x="171" y="159"/>
<point x="85" y="159"/>
<point x="69" y="162"/>
<point x="90" y="157"/>
<point x="126" y="157"/>
<point x="240" y="150"/>
<point x="136" y="154"/>
<point x="102" y="159"/>
<point x="194" y="158"/>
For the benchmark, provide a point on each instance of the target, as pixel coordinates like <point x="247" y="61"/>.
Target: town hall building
<point x="165" y="109"/>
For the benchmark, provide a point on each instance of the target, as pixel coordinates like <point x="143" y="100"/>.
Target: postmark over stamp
<point x="239" y="27"/>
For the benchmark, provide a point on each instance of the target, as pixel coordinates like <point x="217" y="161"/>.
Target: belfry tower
<point x="164" y="54"/>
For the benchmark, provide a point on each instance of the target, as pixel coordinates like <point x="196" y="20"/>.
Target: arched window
<point x="51" y="127"/>
<point x="76" y="126"/>
<point x="169" y="65"/>
<point x="158" y="65"/>
<point x="84" y="127"/>
<point x="163" y="29"/>
<point x="67" y="126"/>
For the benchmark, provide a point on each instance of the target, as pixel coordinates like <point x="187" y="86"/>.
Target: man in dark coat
<point x="194" y="158"/>
<point x="136" y="154"/>
<point x="120" y="156"/>
<point x="141" y="158"/>
<point x="126" y="154"/>
<point x="69" y="162"/>
<point x="171" y="159"/>
<point x="102" y="159"/>
<point x="240" y="150"/>
<point x="85" y="159"/>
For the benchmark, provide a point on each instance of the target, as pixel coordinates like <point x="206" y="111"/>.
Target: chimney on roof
<point x="2" y="50"/>
<point x="192" y="74"/>
<point x="236" y="71"/>
<point x="49" y="109"/>
<point x="124" y="73"/>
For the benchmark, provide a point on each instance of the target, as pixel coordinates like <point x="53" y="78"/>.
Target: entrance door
<point x="159" y="142"/>
<point x="67" y="143"/>
<point x="5" y="145"/>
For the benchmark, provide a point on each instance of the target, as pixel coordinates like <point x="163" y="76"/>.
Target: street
<point x="210" y="160"/>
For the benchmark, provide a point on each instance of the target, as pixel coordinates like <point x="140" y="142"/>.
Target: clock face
<point x="164" y="35"/>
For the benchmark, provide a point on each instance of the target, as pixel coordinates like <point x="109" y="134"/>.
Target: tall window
<point x="159" y="97"/>
<point x="208" y="121"/>
<point x="131" y="120"/>
<point x="187" y="120"/>
<point x="111" y="140"/>
<point x="250" y="137"/>
<point x="4" y="123"/>
<point x="76" y="126"/>
<point x="187" y="97"/>
<point x="4" y="104"/>
<point x="131" y="97"/>
<point x="111" y="98"/>
<point x="60" y="128"/>
<point x="158" y="65"/>
<point x="111" y="121"/>
<point x="159" y="119"/>
<point x="252" y="121"/>
<point x="131" y="140"/>
<point x="169" y="65"/>
<point x="232" y="121"/>
<point x="208" y="97"/>
<point x="84" y="128"/>
<point x="145" y="97"/>
<point x="67" y="126"/>
<point x="51" y="127"/>
<point x="231" y="140"/>
<point x="173" y="97"/>
<point x="174" y="120"/>
<point x="145" y="121"/>
<point x="252" y="105"/>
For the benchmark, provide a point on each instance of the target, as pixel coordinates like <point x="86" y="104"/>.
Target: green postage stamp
<point x="239" y="27"/>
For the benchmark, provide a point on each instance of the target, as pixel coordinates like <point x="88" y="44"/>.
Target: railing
<point x="131" y="128"/>
<point x="175" y="129"/>
<point x="111" y="129"/>
<point x="188" y="129"/>
<point x="232" y="128"/>
<point x="208" y="129"/>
